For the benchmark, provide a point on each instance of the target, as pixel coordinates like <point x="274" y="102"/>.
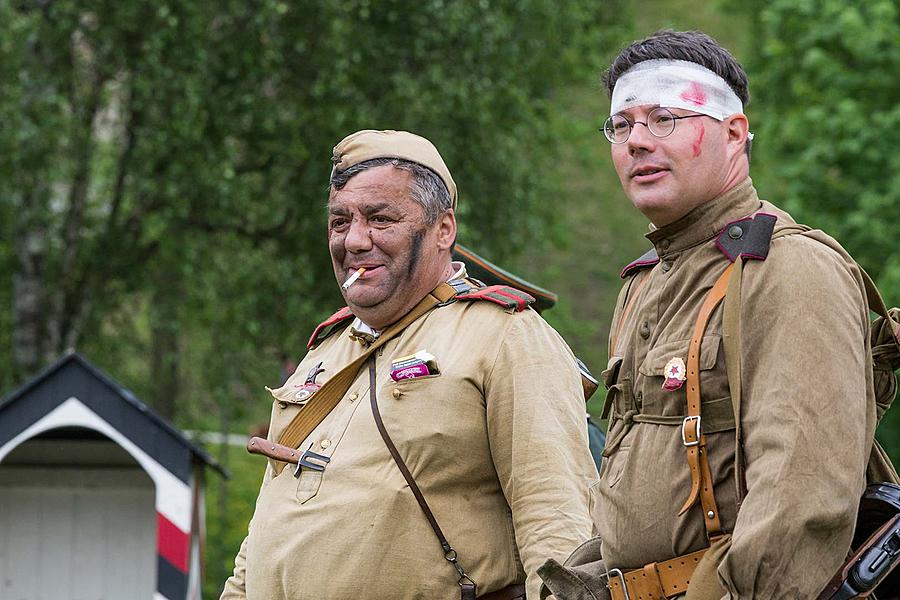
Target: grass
<point x="229" y="507"/>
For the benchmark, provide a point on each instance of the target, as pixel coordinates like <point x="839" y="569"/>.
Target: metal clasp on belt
<point x="684" y="429"/>
<point x="306" y="460"/>
<point x="616" y="573"/>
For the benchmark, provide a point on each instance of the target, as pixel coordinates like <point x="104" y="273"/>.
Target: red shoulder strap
<point x="505" y="296"/>
<point x="324" y="329"/>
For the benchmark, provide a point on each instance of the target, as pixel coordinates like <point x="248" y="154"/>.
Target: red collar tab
<point x="329" y="326"/>
<point x="748" y="238"/>
<point x="508" y="297"/>
<point x="649" y="259"/>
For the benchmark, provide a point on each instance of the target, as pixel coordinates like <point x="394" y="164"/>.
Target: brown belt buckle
<point x="616" y="573"/>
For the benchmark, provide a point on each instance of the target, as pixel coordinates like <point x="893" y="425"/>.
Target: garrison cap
<point x="370" y="143"/>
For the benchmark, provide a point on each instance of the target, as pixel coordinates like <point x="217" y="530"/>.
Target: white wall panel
<point x="77" y="543"/>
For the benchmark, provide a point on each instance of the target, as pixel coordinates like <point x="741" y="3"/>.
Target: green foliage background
<point x="163" y="170"/>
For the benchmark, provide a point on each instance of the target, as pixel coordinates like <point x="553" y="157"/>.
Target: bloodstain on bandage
<point x="697" y="143"/>
<point x="694" y="94"/>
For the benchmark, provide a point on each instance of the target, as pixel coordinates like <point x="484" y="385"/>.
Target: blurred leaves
<point x="180" y="152"/>
<point x="824" y="84"/>
<point x="824" y="81"/>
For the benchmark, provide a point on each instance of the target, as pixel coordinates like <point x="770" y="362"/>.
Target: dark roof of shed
<point x="44" y="392"/>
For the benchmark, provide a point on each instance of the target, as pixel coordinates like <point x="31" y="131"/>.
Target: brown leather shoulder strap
<point x="691" y="432"/>
<point x="331" y="392"/>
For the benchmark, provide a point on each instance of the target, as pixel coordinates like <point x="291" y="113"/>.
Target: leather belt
<point x="515" y="591"/>
<point x="655" y="581"/>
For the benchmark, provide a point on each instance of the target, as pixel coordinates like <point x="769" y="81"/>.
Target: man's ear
<point x="737" y="128"/>
<point x="446" y="225"/>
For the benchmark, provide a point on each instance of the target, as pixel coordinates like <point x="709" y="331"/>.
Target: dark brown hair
<point x="693" y="46"/>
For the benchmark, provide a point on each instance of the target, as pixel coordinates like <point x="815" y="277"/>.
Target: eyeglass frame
<point x="646" y="124"/>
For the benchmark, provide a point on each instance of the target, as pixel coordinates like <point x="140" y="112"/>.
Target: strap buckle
<point x="684" y="425"/>
<point x="461" y="286"/>
<point x="616" y="573"/>
<point x="306" y="460"/>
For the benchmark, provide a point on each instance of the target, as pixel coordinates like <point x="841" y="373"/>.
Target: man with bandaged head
<point x="740" y="403"/>
<point x="437" y="425"/>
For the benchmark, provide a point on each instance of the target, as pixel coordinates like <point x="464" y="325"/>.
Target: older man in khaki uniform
<point x="781" y="525"/>
<point x="480" y="397"/>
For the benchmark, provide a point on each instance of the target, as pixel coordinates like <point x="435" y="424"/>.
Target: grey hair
<point x="425" y="186"/>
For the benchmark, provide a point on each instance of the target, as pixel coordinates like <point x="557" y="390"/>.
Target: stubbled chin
<point x="362" y="296"/>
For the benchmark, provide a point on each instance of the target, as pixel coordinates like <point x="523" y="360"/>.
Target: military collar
<point x="707" y="220"/>
<point x="362" y="332"/>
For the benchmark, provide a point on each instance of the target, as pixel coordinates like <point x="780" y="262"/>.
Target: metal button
<point x="282" y="404"/>
<point x="666" y="266"/>
<point x="644" y="330"/>
<point x="397" y="393"/>
<point x="325" y="443"/>
<point x="664" y="245"/>
<point x="735" y="232"/>
<point x="353" y="396"/>
<point x="710" y="514"/>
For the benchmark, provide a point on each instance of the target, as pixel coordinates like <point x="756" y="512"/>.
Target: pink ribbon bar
<point x="410" y="372"/>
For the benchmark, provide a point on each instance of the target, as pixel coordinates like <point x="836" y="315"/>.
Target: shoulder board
<point x="649" y="259"/>
<point x="747" y="238"/>
<point x="329" y="326"/>
<point x="505" y="296"/>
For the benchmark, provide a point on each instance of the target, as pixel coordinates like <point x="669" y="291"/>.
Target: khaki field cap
<point x="369" y="143"/>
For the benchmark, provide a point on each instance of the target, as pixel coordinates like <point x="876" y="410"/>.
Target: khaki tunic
<point x="497" y="443"/>
<point x="808" y="412"/>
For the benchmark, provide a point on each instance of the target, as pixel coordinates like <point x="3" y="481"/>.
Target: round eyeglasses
<point x="660" y="122"/>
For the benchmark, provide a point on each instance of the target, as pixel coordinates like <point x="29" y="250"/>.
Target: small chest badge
<point x="310" y="386"/>
<point x="675" y="374"/>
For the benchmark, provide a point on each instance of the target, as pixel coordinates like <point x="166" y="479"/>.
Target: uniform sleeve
<point x="808" y="421"/>
<point x="538" y="435"/>
<point x="236" y="585"/>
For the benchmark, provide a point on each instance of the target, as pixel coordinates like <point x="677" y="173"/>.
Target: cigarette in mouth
<point x="352" y="279"/>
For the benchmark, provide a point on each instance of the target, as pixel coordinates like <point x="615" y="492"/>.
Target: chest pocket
<point x="432" y="407"/>
<point x="324" y="440"/>
<point x="716" y="407"/>
<point x="437" y="423"/>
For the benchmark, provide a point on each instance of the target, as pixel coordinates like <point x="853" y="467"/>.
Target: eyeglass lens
<point x="660" y="122"/>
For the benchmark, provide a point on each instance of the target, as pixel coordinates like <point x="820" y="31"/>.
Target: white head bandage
<point x="675" y="84"/>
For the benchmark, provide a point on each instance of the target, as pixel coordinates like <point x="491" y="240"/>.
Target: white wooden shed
<point x="100" y="498"/>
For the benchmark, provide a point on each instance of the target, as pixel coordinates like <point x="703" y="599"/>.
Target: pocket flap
<point x="655" y="362"/>
<point x="289" y="394"/>
<point x="611" y="374"/>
